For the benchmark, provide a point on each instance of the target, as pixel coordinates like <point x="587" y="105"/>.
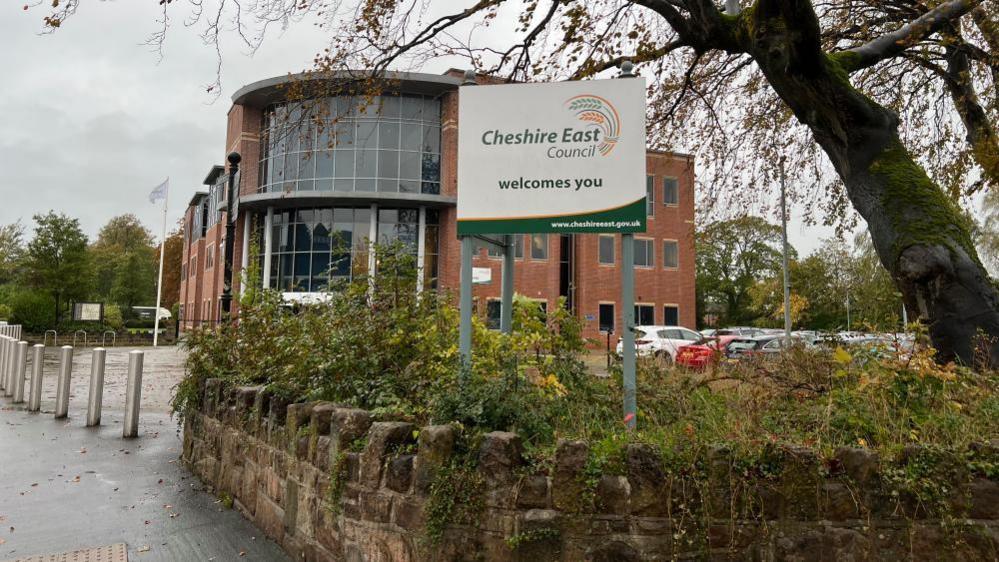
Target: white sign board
<point x="554" y="157"/>
<point x="482" y="275"/>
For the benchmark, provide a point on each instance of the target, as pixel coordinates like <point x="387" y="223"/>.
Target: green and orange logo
<point x="597" y="111"/>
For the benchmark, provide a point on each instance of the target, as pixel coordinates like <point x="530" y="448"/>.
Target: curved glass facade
<point x="390" y="144"/>
<point x="313" y="247"/>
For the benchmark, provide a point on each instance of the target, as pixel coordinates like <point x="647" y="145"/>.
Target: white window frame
<point x="652" y="244"/>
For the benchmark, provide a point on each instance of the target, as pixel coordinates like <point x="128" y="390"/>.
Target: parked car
<point x="747" y="331"/>
<point x="661" y="341"/>
<point x="708" y="351"/>
<point x="763" y="345"/>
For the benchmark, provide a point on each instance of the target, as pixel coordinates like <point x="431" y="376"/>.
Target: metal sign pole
<point x="465" y="303"/>
<point x="506" y="305"/>
<point x="628" y="332"/>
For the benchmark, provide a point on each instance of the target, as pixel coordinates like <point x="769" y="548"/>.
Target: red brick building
<point x="311" y="197"/>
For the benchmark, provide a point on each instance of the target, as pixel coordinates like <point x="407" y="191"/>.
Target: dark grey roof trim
<point x="270" y="90"/>
<point x="197" y="197"/>
<point x="322" y="198"/>
<point x="214" y="174"/>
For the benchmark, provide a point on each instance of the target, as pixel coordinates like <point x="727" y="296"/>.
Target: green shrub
<point x="34" y="310"/>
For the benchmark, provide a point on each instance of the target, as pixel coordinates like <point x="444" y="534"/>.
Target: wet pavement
<point x="64" y="486"/>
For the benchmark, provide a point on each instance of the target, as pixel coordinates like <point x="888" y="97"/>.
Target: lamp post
<point x="230" y="233"/>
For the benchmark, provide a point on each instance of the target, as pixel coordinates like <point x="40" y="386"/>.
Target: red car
<point x="705" y="352"/>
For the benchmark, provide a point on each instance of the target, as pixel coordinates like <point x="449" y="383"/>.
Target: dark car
<point x="762" y="345"/>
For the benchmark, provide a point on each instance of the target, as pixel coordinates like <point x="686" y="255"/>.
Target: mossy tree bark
<point x="920" y="235"/>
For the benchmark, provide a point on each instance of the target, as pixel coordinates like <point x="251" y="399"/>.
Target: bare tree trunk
<point x="920" y="235"/>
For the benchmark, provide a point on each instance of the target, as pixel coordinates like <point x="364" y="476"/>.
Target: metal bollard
<point x="20" y="359"/>
<point x="63" y="382"/>
<point x="8" y="367"/>
<point x="3" y="359"/>
<point x="133" y="395"/>
<point x="37" y="364"/>
<point x="97" y="362"/>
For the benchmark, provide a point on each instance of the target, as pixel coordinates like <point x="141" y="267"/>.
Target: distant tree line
<point x="838" y="286"/>
<point x="41" y="278"/>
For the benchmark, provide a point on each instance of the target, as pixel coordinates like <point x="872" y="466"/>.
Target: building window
<point x="183" y="270"/>
<point x="539" y="246"/>
<point x="645" y="315"/>
<point x="493" y="307"/>
<point x="518" y="246"/>
<point x="606" y="317"/>
<point x="650" y="195"/>
<point x="671" y="315"/>
<point x="194" y="264"/>
<point x="644" y="253"/>
<point x="385" y="143"/>
<point x="671" y="254"/>
<point x="493" y="250"/>
<point x="209" y="257"/>
<point x="606" y="243"/>
<point x="671" y="192"/>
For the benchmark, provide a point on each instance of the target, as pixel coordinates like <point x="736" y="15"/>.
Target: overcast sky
<point x="93" y="121"/>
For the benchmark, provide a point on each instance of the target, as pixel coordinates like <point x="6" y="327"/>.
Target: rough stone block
<point x="319" y="426"/>
<point x="567" y="475"/>
<point x="383" y="439"/>
<point x="408" y="514"/>
<point x="376" y="507"/>
<point x="613" y="551"/>
<point x="346" y="426"/>
<point x="646" y="480"/>
<point x="861" y="465"/>
<point x="327" y="530"/>
<point x="212" y="396"/>
<point x="278" y="410"/>
<point x="270" y="518"/>
<point x="799" y="480"/>
<point x="612" y="495"/>
<point x="290" y="506"/>
<point x="434" y="448"/>
<point x="533" y="492"/>
<point x="984" y="499"/>
<point x="500" y="454"/>
<point x="399" y="475"/>
<point x="321" y="457"/>
<point x="837" y="502"/>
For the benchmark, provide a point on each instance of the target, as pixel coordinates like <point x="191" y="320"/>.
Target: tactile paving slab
<point x="110" y="553"/>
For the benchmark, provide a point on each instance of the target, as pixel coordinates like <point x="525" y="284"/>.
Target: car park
<point x="661" y="341"/>
<point x="708" y="351"/>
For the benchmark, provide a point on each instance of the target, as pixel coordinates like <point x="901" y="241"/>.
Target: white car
<point x="661" y="341"/>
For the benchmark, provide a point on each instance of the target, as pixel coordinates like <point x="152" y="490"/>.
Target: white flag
<point x="160" y="192"/>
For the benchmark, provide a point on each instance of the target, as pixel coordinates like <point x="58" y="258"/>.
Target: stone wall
<point x="274" y="460"/>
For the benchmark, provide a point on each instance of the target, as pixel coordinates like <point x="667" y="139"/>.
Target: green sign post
<point x="565" y="157"/>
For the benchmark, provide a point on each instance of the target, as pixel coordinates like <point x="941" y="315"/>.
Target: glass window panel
<point x="302" y="271"/>
<point x="607" y="318"/>
<point x="650" y="199"/>
<point x="606" y="249"/>
<point x="671" y="191"/>
<point x="282" y="238"/>
<point x="343" y="134"/>
<point x="388" y="135"/>
<point x="412" y="137"/>
<point x="366" y="164"/>
<point x="670" y="254"/>
<point x="321" y="237"/>
<point x="410" y="165"/>
<point x="431" y="187"/>
<point x="493" y="314"/>
<point x="324" y="164"/>
<point x="431" y="109"/>
<point x="343" y="164"/>
<point x="430" y="239"/>
<point x="303" y="237"/>
<point x="324" y="216"/>
<point x="430" y="271"/>
<point x="324" y="137"/>
<point x="324" y="185"/>
<point x="518" y="246"/>
<point x="643" y="253"/>
<point x="346" y="105"/>
<point x="387" y="186"/>
<point x="431" y="139"/>
<point x="431" y="164"/>
<point x="390" y="107"/>
<point x="307" y="136"/>
<point x="412" y="108"/>
<point x="365" y="185"/>
<point x="671" y="315"/>
<point x="362" y="225"/>
<point x="343" y="185"/>
<point x="388" y="164"/>
<point x="286" y="280"/>
<point x="290" y="168"/>
<point x="539" y="246"/>
<point x="320" y="270"/>
<point x="340" y="264"/>
<point x="306" y="185"/>
<point x="367" y="135"/>
<point x="306" y="166"/>
<point x="277" y="170"/>
<point x="408" y="186"/>
<point x="305" y="215"/>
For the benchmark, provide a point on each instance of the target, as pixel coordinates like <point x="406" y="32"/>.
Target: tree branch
<point x="892" y="44"/>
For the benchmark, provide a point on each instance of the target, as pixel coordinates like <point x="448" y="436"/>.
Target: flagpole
<point x="159" y="281"/>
